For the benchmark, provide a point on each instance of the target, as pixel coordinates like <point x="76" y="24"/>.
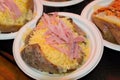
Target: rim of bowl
<point x="61" y="4"/>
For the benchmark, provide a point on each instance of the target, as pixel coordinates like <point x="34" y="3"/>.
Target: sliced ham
<point x="55" y="40"/>
<point x="2" y="8"/>
<point x="11" y="6"/>
<point x="59" y="35"/>
<point x="79" y="39"/>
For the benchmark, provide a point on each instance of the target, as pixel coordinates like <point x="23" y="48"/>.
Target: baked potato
<point x="57" y="45"/>
<point x="14" y="14"/>
<point x="107" y="19"/>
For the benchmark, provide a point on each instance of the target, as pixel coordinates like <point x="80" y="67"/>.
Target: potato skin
<point x="33" y="55"/>
<point x="115" y="32"/>
<point x="110" y="31"/>
<point x="9" y="28"/>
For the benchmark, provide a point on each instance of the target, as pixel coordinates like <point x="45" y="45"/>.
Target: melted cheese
<point x="7" y="19"/>
<point x="54" y="56"/>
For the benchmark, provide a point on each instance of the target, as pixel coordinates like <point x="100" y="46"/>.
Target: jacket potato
<point x="57" y="45"/>
<point x="14" y="14"/>
<point x="107" y="20"/>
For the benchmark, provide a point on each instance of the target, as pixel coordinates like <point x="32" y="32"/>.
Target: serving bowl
<point x="88" y="11"/>
<point x="61" y="4"/>
<point x="38" y="9"/>
<point x="95" y="54"/>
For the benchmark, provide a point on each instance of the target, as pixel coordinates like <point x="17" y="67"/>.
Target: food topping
<point x="111" y="10"/>
<point x="61" y="37"/>
<point x="56" y="45"/>
<point x="11" y="7"/>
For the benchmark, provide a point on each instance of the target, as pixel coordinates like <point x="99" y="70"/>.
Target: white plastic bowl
<point x="61" y="4"/>
<point x="38" y="9"/>
<point x="87" y="12"/>
<point x="96" y="50"/>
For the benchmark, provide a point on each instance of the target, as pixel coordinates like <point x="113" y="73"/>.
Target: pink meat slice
<point x="60" y="34"/>
<point x="13" y="8"/>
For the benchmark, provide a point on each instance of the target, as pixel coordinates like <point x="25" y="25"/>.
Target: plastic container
<point x="38" y="9"/>
<point x="87" y="12"/>
<point x="96" y="50"/>
<point x="61" y="4"/>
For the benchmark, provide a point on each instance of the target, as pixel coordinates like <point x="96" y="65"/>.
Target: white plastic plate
<point x="61" y="4"/>
<point x="96" y="50"/>
<point x="38" y="9"/>
<point x="87" y="12"/>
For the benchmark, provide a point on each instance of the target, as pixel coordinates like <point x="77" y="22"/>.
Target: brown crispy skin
<point x="28" y="37"/>
<point x="104" y="28"/>
<point x="9" y="28"/>
<point x="115" y="31"/>
<point x="33" y="55"/>
<point x="30" y="4"/>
